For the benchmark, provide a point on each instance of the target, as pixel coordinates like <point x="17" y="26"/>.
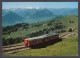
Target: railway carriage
<point x="40" y="39"/>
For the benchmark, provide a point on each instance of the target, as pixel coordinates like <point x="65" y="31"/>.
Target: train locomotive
<point x="40" y="39"/>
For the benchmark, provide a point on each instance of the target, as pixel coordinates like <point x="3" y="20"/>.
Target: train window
<point x="35" y="40"/>
<point x="31" y="41"/>
<point x="55" y="35"/>
<point x="50" y="37"/>
<point x="47" y="38"/>
<point x="39" y="39"/>
<point x="26" y="40"/>
<point x="43" y="39"/>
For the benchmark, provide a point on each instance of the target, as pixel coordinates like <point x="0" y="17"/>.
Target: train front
<point x="26" y="42"/>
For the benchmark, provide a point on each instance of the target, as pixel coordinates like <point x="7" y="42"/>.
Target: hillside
<point x="65" y="11"/>
<point x="11" y="18"/>
<point x="41" y="13"/>
<point x="58" y="25"/>
<point x="13" y="35"/>
<point x="66" y="47"/>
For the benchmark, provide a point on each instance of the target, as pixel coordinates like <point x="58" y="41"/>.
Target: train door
<point x="45" y="39"/>
<point x="28" y="43"/>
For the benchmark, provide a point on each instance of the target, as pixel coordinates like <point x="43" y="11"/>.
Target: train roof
<point x="52" y="34"/>
<point x="43" y="36"/>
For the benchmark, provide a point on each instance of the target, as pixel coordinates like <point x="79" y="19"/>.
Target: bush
<point x="12" y="41"/>
<point x="4" y="42"/>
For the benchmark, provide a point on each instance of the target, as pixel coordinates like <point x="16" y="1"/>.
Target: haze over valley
<point x="14" y="16"/>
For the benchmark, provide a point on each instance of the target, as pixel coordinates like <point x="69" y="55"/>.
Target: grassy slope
<point x="64" y="20"/>
<point x="67" y="47"/>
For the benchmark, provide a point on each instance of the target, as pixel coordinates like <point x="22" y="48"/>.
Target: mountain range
<point x="19" y="15"/>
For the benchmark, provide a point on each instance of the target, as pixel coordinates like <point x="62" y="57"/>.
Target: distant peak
<point x="32" y="8"/>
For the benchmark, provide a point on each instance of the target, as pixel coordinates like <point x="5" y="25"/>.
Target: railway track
<point x="14" y="49"/>
<point x="17" y="48"/>
<point x="12" y="46"/>
<point x="64" y="35"/>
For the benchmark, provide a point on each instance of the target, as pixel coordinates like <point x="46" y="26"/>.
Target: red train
<point x="40" y="39"/>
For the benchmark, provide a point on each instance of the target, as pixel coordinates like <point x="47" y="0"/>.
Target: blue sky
<point x="8" y="5"/>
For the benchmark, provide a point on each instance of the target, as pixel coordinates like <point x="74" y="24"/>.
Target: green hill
<point x="67" y="47"/>
<point x="58" y="25"/>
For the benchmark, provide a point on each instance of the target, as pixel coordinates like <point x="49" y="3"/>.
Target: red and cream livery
<point x="40" y="39"/>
